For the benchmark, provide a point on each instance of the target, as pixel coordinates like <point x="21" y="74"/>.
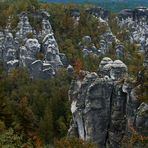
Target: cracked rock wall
<point x="104" y="107"/>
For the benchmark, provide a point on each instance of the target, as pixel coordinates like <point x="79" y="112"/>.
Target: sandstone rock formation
<point x="25" y="46"/>
<point x="136" y="23"/>
<point x="104" y="106"/>
<point x="98" y="12"/>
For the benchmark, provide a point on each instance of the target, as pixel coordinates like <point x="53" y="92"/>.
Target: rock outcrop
<point x="105" y="107"/>
<point x="98" y="12"/>
<point x="136" y="24"/>
<point x="35" y="50"/>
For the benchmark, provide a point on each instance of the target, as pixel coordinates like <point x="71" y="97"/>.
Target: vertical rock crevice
<point x="105" y="104"/>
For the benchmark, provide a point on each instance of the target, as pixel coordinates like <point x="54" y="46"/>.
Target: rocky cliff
<point x="25" y="47"/>
<point x="105" y="106"/>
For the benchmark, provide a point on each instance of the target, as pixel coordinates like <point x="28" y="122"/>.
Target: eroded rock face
<point x="104" y="107"/>
<point x="106" y="43"/>
<point x="98" y="12"/>
<point x="119" y="51"/>
<point x="118" y="70"/>
<point x="24" y="27"/>
<point x="142" y="118"/>
<point x="35" y="50"/>
<point x="136" y="24"/>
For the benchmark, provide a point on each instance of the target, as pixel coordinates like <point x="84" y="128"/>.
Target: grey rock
<point x="103" y="47"/>
<point x="142" y="119"/>
<point x="74" y="13"/>
<point x="22" y="57"/>
<point x="36" y="69"/>
<point x="126" y="13"/>
<point x="118" y="70"/>
<point x="12" y="64"/>
<point x="46" y="27"/>
<point x="98" y="12"/>
<point x="104" y="108"/>
<point x="2" y="37"/>
<point x="104" y="61"/>
<point x="70" y="70"/>
<point x="53" y="56"/>
<point x="49" y="41"/>
<point x="119" y="51"/>
<point x="10" y="55"/>
<point x="33" y="47"/>
<point x="86" y="40"/>
<point x="85" y="52"/>
<point x="28" y="53"/>
<point x="40" y="70"/>
<point x="25" y="51"/>
<point x="24" y="27"/>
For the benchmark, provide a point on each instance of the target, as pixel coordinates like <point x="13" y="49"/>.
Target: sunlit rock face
<point x="104" y="105"/>
<point x="32" y="49"/>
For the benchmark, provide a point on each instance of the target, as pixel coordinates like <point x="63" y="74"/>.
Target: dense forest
<point x="36" y="113"/>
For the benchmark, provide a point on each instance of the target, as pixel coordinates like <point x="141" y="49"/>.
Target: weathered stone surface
<point x="33" y="47"/>
<point x="12" y="64"/>
<point x="70" y="70"/>
<point x="63" y="59"/>
<point x="104" y="61"/>
<point x="119" y="51"/>
<point x="104" y="107"/>
<point x="118" y="70"/>
<point x="24" y="27"/>
<point x="41" y="70"/>
<point x="46" y="26"/>
<point x="28" y="45"/>
<point x="86" y="40"/>
<point x="142" y="119"/>
<point x="74" y="13"/>
<point x="98" y="12"/>
<point x="49" y="40"/>
<point x="135" y="22"/>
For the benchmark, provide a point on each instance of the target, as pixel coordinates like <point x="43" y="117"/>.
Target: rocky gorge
<point x="83" y="59"/>
<point x="105" y="105"/>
